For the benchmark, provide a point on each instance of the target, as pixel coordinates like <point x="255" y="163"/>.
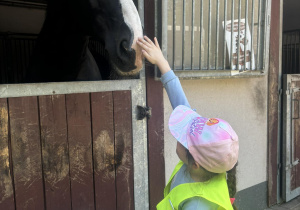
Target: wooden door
<point x="72" y="150"/>
<point x="291" y="136"/>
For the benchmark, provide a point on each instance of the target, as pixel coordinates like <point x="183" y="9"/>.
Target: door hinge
<point x="143" y="111"/>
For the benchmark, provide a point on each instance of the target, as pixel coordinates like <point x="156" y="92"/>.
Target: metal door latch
<point x="143" y="111"/>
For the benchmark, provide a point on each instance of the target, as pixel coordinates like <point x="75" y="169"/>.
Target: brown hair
<point x="231" y="183"/>
<point x="231" y="177"/>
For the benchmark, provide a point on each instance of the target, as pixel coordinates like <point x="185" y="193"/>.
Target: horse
<point x="62" y="52"/>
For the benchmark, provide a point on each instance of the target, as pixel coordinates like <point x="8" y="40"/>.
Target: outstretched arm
<point x="153" y="54"/>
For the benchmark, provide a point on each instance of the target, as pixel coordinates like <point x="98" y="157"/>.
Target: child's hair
<point x="191" y="161"/>
<point x="231" y="183"/>
<point x="231" y="177"/>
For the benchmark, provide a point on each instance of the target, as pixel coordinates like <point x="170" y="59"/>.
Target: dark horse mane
<point x="62" y="52"/>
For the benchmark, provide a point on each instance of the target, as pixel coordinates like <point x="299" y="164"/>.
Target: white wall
<point x="21" y="20"/>
<point x="241" y="102"/>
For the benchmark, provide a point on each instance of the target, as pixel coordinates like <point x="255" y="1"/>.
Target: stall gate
<point x="75" y="145"/>
<point x="70" y="145"/>
<point x="291" y="136"/>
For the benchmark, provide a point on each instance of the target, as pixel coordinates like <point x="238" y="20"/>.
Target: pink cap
<point x="211" y="141"/>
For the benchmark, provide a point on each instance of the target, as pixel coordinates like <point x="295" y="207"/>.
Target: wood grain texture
<point x="104" y="150"/>
<point x="55" y="151"/>
<point x="155" y="125"/>
<point x="273" y="100"/>
<point x="123" y="150"/>
<point x="26" y="153"/>
<point x="6" y="183"/>
<point x="80" y="151"/>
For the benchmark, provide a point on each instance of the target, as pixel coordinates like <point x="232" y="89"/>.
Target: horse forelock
<point x="132" y="18"/>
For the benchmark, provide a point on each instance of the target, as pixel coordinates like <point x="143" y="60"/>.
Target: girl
<point x="207" y="148"/>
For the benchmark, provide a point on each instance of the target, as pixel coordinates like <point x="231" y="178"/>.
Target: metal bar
<point x="295" y="52"/>
<point x="28" y="52"/>
<point x="298" y="56"/>
<point x="164" y="37"/>
<point x="2" y="61"/>
<point x="239" y="36"/>
<point x="217" y="35"/>
<point x="246" y="38"/>
<point x="209" y="35"/>
<point x="24" y="59"/>
<point x="183" y="34"/>
<point x="15" y="65"/>
<point x="265" y="37"/>
<point x="224" y="47"/>
<point x="232" y="25"/>
<point x="174" y="32"/>
<point x="201" y="26"/>
<point x="156" y="31"/>
<point x="193" y="36"/>
<point x="156" y="19"/>
<point x="213" y="74"/>
<point x="252" y="35"/>
<point x="25" y="4"/>
<point x="16" y="60"/>
<point x="258" y="35"/>
<point x="290" y="57"/>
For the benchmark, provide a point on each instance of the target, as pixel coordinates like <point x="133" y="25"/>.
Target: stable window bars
<point x="291" y="52"/>
<point x="199" y="41"/>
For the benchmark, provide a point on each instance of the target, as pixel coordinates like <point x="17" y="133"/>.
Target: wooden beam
<point x="156" y="122"/>
<point x="273" y="98"/>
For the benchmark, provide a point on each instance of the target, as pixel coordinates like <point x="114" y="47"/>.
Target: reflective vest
<point x="215" y="190"/>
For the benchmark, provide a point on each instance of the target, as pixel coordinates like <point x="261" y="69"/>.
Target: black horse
<point x="62" y="52"/>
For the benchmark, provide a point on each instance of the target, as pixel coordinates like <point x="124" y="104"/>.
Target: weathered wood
<point x="80" y="150"/>
<point x="155" y="130"/>
<point x="275" y="30"/>
<point x="6" y="184"/>
<point x="55" y="151"/>
<point x="26" y="153"/>
<point x="103" y="150"/>
<point x="123" y="149"/>
<point x="155" y="125"/>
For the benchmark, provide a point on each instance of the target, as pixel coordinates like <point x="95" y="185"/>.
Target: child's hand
<point x="153" y="54"/>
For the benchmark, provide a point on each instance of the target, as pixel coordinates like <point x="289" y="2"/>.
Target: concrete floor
<point x="291" y="205"/>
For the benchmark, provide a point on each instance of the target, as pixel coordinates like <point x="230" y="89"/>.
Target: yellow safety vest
<point x="215" y="190"/>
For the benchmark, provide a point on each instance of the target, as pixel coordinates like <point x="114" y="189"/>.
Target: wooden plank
<point x="55" y="151"/>
<point x="103" y="150"/>
<point x="275" y="43"/>
<point x="6" y="183"/>
<point x="155" y="125"/>
<point x="155" y="130"/>
<point x="26" y="153"/>
<point x="80" y="150"/>
<point x="123" y="149"/>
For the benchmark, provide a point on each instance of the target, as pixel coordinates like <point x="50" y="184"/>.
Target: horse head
<point x="116" y="23"/>
<point x="62" y="52"/>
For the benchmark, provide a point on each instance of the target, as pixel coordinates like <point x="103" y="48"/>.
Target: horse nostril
<point x="124" y="45"/>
